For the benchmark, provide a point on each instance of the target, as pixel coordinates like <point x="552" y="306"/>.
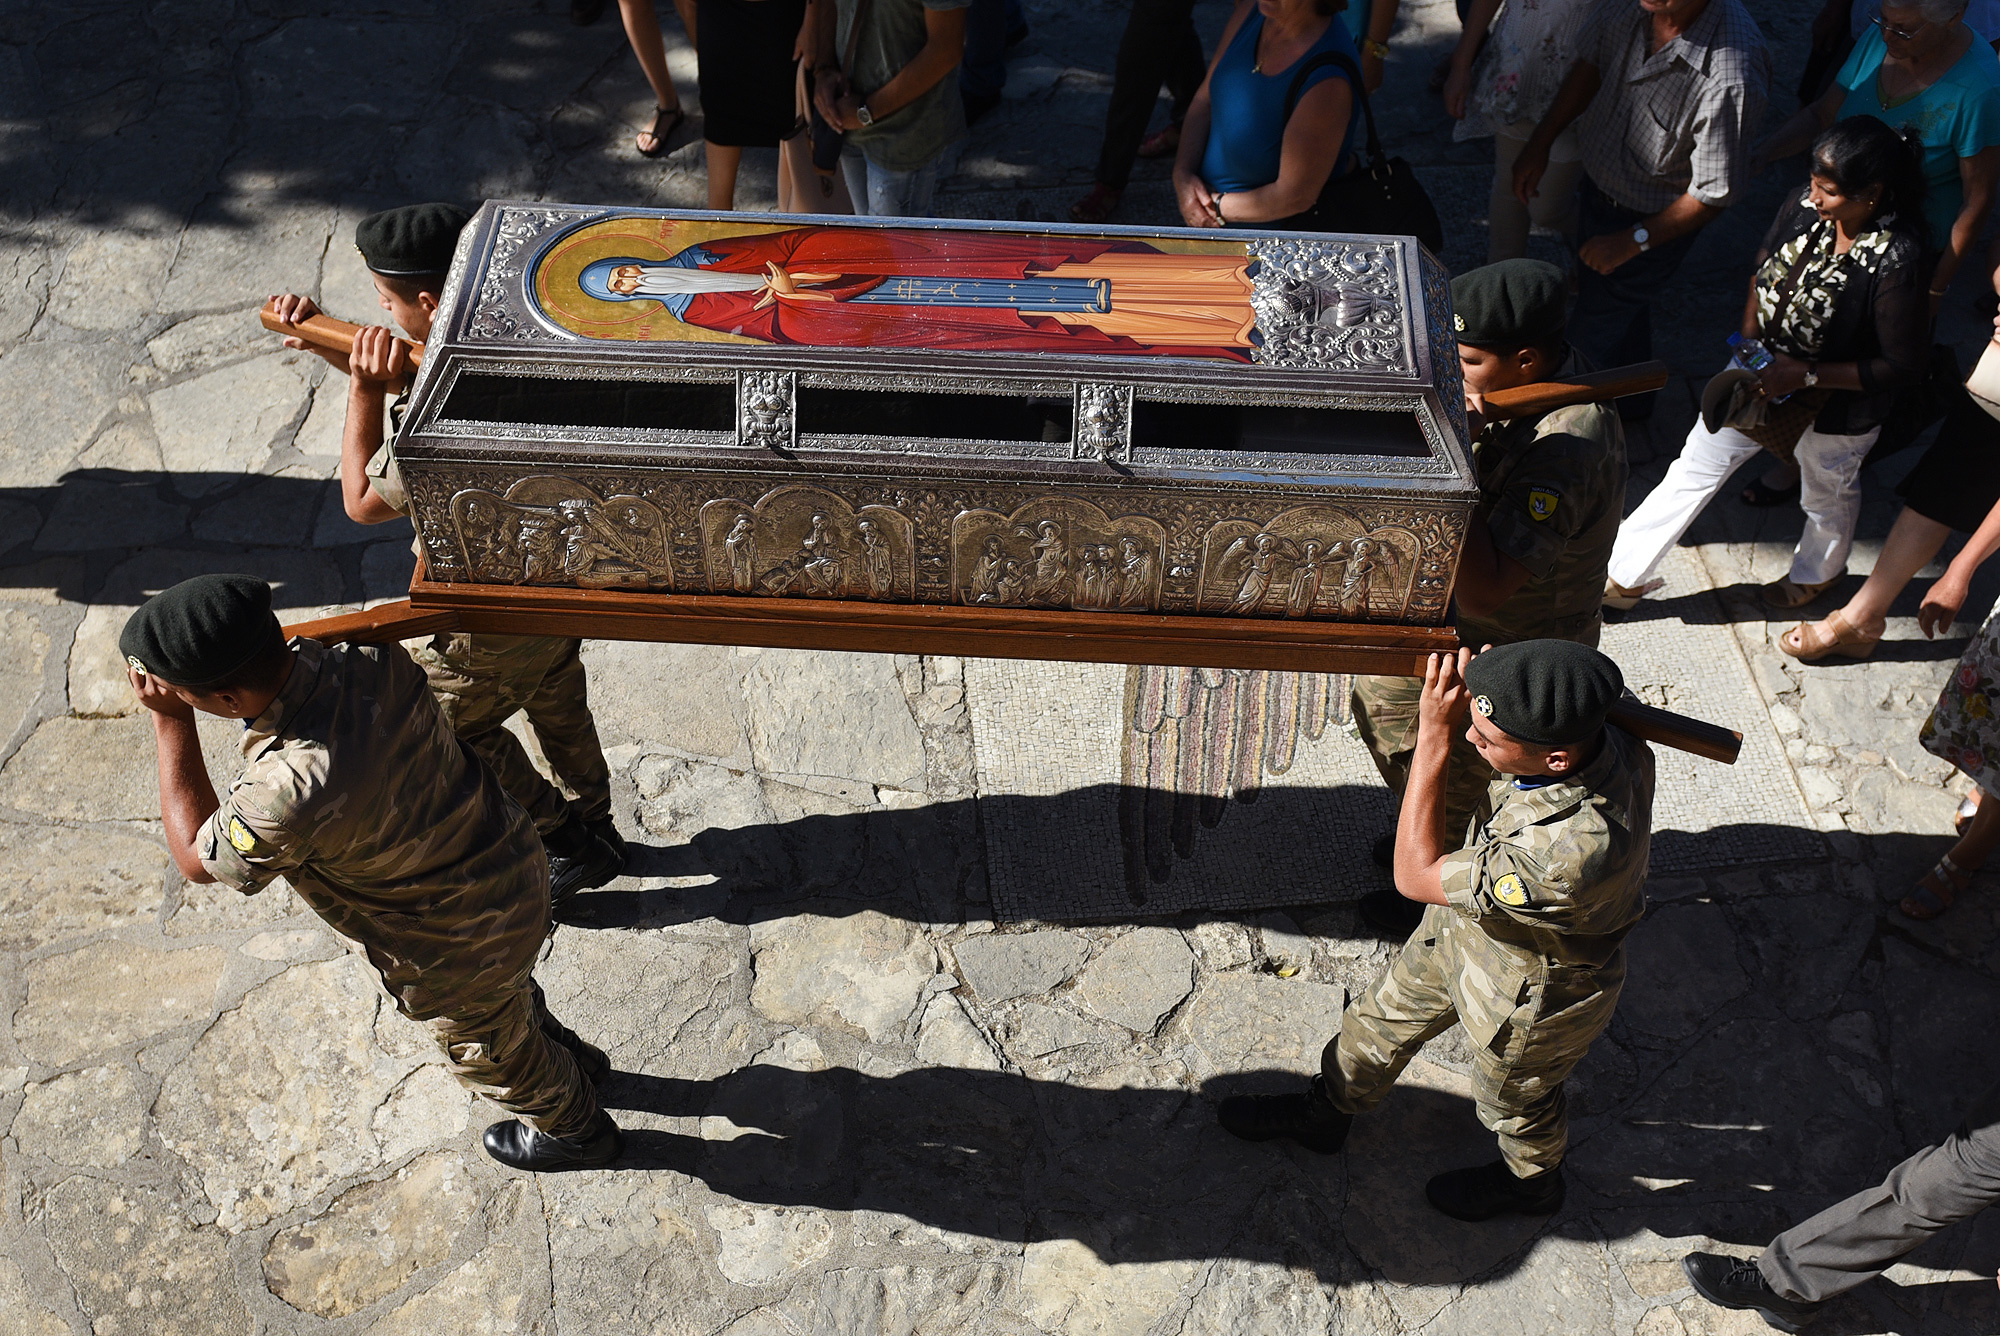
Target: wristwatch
<point x="1812" y="374"/>
<point x="1642" y="239"/>
<point x="865" y="116"/>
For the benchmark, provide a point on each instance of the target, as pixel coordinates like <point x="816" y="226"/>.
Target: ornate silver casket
<point x="1052" y="420"/>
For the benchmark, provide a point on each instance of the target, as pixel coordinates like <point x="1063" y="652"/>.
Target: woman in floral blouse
<point x="1964" y="727"/>
<point x="1838" y="301"/>
<point x="1503" y="91"/>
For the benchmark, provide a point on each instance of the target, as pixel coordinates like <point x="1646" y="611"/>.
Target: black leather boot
<point x="589" y="1057"/>
<point x="1735" y="1282"/>
<point x="1307" y="1117"/>
<point x="578" y="859"/>
<point x="1492" y="1189"/>
<point x="604" y="828"/>
<point x="519" y="1146"/>
<point x="1388" y="911"/>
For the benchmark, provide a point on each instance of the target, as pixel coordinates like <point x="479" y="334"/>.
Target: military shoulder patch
<point x="1542" y="502"/>
<point x="1509" y="891"/>
<point x="240" y="836"/>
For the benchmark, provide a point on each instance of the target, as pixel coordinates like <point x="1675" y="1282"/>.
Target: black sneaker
<point x="1492" y="1189"/>
<point x="1390" y="912"/>
<point x="589" y="1057"/>
<point x="1734" y="1282"/>
<point x="578" y="860"/>
<point x="1306" y="1117"/>
<point x="519" y="1146"/>
<point x="604" y="828"/>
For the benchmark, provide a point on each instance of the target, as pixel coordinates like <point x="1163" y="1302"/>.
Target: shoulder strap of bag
<point x="854" y="38"/>
<point x="1347" y="67"/>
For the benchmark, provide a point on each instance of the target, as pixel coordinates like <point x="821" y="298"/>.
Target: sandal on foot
<point x="1620" y="599"/>
<point x="1809" y="642"/>
<point x="660" y="131"/>
<point x="1967" y="810"/>
<point x="1161" y="143"/>
<point x="1789" y="593"/>
<point x="1757" y="494"/>
<point x="1095" y="207"/>
<point x="1936" y="893"/>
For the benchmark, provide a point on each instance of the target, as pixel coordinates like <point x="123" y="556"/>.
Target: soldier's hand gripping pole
<point x="327" y="332"/>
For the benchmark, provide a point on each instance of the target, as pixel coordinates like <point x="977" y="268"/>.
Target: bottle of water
<point x="1750" y="354"/>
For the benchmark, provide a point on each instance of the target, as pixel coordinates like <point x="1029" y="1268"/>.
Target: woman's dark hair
<point x="1860" y="153"/>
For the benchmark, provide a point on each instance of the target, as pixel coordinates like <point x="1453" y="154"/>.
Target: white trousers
<point x="1830" y="494"/>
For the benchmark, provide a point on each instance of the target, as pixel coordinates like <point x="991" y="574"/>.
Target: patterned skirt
<point x="1964" y="727"/>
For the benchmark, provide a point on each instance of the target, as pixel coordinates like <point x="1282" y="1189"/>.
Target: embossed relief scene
<point x="1057" y="553"/>
<point x="1314" y="561"/>
<point x="808" y="542"/>
<point x="641" y="277"/>
<point x="552" y="530"/>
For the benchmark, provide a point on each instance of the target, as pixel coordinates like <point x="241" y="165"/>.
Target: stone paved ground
<point x="858" y="1104"/>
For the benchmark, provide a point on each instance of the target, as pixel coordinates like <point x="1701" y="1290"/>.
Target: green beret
<point x="1512" y="304"/>
<point x="411" y="242"/>
<point x="1544" y="692"/>
<point x="200" y="631"/>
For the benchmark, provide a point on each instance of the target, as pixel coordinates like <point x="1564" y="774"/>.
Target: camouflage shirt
<point x="1556" y="877"/>
<point x="1553" y="493"/>
<point x="356" y="791"/>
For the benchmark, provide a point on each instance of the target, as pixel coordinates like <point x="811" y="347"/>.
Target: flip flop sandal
<point x="1097" y="206"/>
<point x="1967" y="809"/>
<point x="1757" y="494"/>
<point x="660" y="132"/>
<point x="1928" y="901"/>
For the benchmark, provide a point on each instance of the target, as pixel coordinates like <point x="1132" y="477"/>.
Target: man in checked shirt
<point x="1670" y="93"/>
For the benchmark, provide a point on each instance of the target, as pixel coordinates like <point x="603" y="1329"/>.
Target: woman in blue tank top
<point x="1241" y="160"/>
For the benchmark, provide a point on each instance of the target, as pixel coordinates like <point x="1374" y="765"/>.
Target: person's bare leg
<point x="642" y="30"/>
<point x="1913" y="540"/>
<point x="785" y="176"/>
<point x="723" y="162"/>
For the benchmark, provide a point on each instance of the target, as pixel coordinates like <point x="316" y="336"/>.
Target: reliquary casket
<point x="1178" y="446"/>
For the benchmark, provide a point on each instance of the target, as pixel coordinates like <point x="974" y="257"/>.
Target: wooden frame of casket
<point x="1225" y="449"/>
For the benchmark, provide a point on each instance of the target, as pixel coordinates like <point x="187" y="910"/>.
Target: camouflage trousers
<point x="1518" y="1070"/>
<point x="506" y="1050"/>
<point x="1385" y="712"/>
<point x="482" y="681"/>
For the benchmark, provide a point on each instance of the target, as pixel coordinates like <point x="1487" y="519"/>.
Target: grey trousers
<point x="1860" y="1238"/>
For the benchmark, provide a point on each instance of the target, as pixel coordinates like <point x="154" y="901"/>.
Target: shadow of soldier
<point x="1135" y="1175"/>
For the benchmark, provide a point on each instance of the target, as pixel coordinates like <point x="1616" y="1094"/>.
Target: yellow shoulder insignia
<point x="1509" y="891"/>
<point x="240" y="837"/>
<point x="1542" y="502"/>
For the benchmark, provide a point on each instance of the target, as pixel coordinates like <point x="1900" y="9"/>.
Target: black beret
<point x="1544" y="692"/>
<point x="411" y="242"/>
<point x="1512" y="304"/>
<point x="202" y="630"/>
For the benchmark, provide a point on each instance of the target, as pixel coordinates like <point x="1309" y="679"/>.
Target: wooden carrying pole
<point x="327" y="332"/>
<point x="1545" y="396"/>
<point x="1023" y="633"/>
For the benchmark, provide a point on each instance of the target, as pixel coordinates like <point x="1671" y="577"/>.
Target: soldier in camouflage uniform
<point x="1551" y="495"/>
<point x="356" y="791"/>
<point x="480" y="681"/>
<point x="1522" y="934"/>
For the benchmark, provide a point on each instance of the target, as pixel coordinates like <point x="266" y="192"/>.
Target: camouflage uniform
<point x="355" y="791"/>
<point x="1527" y="954"/>
<point x="482" y="681"/>
<point x="1552" y="490"/>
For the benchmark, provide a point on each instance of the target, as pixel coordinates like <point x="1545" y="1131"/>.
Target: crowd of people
<point x="1621" y="128"/>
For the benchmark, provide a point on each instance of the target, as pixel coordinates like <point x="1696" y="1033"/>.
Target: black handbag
<point x="1380" y="196"/>
<point x="827" y="142"/>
